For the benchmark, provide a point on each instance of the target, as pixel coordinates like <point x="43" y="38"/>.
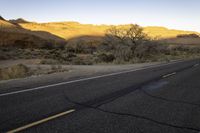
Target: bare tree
<point x="131" y="36"/>
<point x="136" y="35"/>
<point x="116" y="34"/>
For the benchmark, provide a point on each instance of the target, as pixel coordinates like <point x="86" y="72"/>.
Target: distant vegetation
<point x="90" y="44"/>
<point x="188" y="36"/>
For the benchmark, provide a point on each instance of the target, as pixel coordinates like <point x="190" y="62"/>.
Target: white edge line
<point x="165" y="76"/>
<point x="196" y="65"/>
<point x="85" y="79"/>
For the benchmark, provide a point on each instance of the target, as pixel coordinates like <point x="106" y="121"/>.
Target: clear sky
<point x="178" y="14"/>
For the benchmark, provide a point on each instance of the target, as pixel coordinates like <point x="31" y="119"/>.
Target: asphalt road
<point x="161" y="99"/>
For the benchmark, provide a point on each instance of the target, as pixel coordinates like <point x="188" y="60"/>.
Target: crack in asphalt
<point x="169" y="100"/>
<point x="133" y="115"/>
<point x="127" y="91"/>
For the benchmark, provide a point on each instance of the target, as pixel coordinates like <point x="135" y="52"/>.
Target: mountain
<point x="18" y="21"/>
<point x="1" y="18"/>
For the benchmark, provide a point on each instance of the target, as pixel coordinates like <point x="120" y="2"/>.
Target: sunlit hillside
<point x="69" y="30"/>
<point x="162" y="32"/>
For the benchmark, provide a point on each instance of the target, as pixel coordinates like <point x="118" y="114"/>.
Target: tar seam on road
<point x="85" y="79"/>
<point x="41" y="121"/>
<point x="169" y="100"/>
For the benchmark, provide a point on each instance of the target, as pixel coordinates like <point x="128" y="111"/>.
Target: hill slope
<point x="68" y="30"/>
<point x="14" y="34"/>
<point x="62" y="31"/>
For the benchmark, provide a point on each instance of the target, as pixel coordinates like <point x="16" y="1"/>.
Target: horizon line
<point x="99" y="24"/>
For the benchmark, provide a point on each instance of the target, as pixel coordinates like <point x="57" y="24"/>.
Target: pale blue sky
<point x="179" y="14"/>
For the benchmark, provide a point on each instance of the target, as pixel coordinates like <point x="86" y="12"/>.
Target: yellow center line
<point x="41" y="121"/>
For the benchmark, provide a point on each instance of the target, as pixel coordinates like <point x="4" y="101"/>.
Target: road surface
<point x="159" y="99"/>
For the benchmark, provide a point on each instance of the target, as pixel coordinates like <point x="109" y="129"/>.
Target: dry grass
<point x="16" y="71"/>
<point x="22" y="71"/>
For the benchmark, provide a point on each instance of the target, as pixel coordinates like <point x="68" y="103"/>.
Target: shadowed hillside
<point x="19" y="20"/>
<point x="1" y="18"/>
<point x="13" y="34"/>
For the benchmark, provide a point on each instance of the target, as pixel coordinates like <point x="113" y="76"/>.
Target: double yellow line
<point x="41" y="121"/>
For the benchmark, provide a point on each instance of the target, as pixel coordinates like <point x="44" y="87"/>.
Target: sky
<point x="174" y="14"/>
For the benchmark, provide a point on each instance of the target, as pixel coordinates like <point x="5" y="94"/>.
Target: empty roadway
<point x="158" y="99"/>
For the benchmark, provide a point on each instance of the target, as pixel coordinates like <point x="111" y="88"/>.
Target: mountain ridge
<point x="68" y="30"/>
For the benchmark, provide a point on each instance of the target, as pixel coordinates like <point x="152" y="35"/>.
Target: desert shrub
<point x="123" y="53"/>
<point x="49" y="61"/>
<point x="104" y="47"/>
<point x="81" y="47"/>
<point x="47" y="45"/>
<point x="105" y="58"/>
<point x="56" y="68"/>
<point x="147" y="49"/>
<point x="70" y="49"/>
<point x="24" y="43"/>
<point x="16" y="71"/>
<point x="67" y="56"/>
<point x="82" y="61"/>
